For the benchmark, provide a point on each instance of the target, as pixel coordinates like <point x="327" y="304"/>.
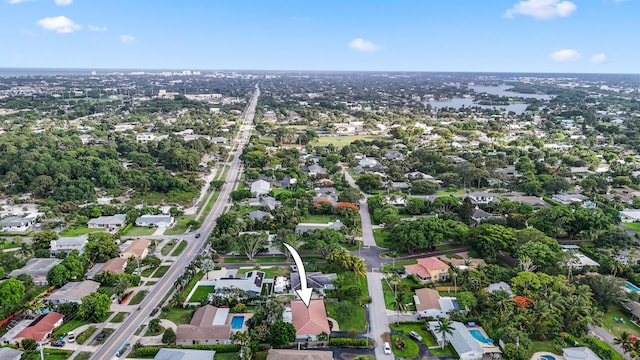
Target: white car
<point x="416" y="336"/>
<point x="387" y="348"/>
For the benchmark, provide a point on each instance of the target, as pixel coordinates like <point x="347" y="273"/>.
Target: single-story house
<point x="315" y="170"/>
<point x="41" y="328"/>
<point x="67" y="245"/>
<point x="259" y="215"/>
<point x="309" y="321"/>
<point x="479" y="215"/>
<point x="7" y="353"/>
<point x="109" y="223"/>
<point x="500" y="286"/>
<point x="579" y="353"/>
<point x="37" y="268"/>
<point x="184" y="354"/>
<point x="302" y="228"/>
<point x="208" y="326"/>
<point x="148" y="220"/>
<point x="280" y="284"/>
<point x="251" y="283"/>
<point x="630" y="215"/>
<point x="114" y="266"/>
<point x="429" y="269"/>
<point x="18" y="223"/>
<point x="260" y="188"/>
<point x="315" y="280"/>
<point x="568" y="199"/>
<point x="429" y="304"/>
<point x="289" y="354"/>
<point x="138" y="249"/>
<point x="269" y="202"/>
<point x="528" y="200"/>
<point x="73" y="292"/>
<point x="480" y="197"/>
<point x="465" y="345"/>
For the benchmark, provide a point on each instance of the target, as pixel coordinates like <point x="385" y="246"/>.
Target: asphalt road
<point x="165" y="285"/>
<point x="378" y="321"/>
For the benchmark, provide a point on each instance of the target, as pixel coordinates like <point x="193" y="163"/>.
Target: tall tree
<point x="251" y="244"/>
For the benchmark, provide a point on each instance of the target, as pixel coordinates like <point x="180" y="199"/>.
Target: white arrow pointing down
<point x="304" y="293"/>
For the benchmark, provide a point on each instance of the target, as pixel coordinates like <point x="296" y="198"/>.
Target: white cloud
<point x="599" y="58"/>
<point x="363" y="45"/>
<point x="16" y="1"/>
<point x="566" y="55"/>
<point x="542" y="9"/>
<point x="63" y="2"/>
<point x="127" y="39"/>
<point x="59" y="24"/>
<point x="97" y="28"/>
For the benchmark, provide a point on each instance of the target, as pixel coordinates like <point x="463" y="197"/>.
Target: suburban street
<point x="165" y="285"/>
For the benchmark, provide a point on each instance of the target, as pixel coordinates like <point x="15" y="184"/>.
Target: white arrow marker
<point x="304" y="293"/>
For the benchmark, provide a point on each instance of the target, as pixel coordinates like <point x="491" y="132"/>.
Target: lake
<point x="502" y="91"/>
<point x="460" y="102"/>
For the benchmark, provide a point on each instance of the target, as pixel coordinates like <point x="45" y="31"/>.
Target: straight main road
<point x="165" y="285"/>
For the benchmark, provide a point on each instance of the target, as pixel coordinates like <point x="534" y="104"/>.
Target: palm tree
<point x="398" y="306"/>
<point x="178" y="299"/>
<point x="241" y="337"/>
<point x="358" y="266"/>
<point x="443" y="328"/>
<point x="24" y="251"/>
<point x="616" y="266"/>
<point x="207" y="265"/>
<point x="624" y="340"/>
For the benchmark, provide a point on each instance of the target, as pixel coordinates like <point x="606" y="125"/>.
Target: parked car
<point x="58" y="343"/>
<point x="416" y="336"/>
<point x="294" y="268"/>
<point x="387" y="348"/>
<point x="71" y="336"/>
<point x="101" y="336"/>
<point x="154" y="311"/>
<point x="197" y="235"/>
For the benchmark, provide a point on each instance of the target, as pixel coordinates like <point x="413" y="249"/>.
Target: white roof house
<point x="461" y="339"/>
<point x="630" y="215"/>
<point x="109" y="223"/>
<point x="17" y="223"/>
<point x="579" y="353"/>
<point x="500" y="286"/>
<point x="67" y="245"/>
<point x="260" y="187"/>
<point x="74" y="292"/>
<point x="155" y="220"/>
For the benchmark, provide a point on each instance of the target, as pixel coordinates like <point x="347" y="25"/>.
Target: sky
<point x="576" y="36"/>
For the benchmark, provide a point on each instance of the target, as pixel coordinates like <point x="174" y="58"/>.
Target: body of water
<point x="477" y="334"/>
<point x="502" y="91"/>
<point x="457" y="103"/>
<point x="631" y="287"/>
<point x="236" y="322"/>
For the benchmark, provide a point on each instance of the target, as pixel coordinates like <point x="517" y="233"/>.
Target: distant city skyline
<point x="529" y="36"/>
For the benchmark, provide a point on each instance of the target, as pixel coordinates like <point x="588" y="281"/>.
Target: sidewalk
<point x="608" y="338"/>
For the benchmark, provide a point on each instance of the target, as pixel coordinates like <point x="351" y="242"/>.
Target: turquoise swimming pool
<point x="547" y="357"/>
<point x="477" y="334"/>
<point x="236" y="322"/>
<point x="631" y="287"/>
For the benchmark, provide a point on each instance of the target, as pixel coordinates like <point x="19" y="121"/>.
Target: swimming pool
<point x="455" y="304"/>
<point x="236" y="322"/>
<point x="631" y="287"/>
<point x="547" y="357"/>
<point x="477" y="334"/>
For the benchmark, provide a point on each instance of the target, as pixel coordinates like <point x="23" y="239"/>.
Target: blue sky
<point x="402" y="35"/>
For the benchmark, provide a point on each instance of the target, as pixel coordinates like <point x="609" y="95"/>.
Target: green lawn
<point x="161" y="271"/>
<point x="225" y="356"/>
<point x="444" y="192"/>
<point x="318" y="219"/>
<point x="410" y="350"/>
<point x="635" y="226"/>
<point x="210" y="203"/>
<point x="180" y="226"/>
<point x="541" y="346"/>
<point x="119" y="317"/>
<point x="49" y="354"/>
<point x="269" y="273"/>
<point x="398" y="265"/>
<point x="77" y="231"/>
<point x="277" y="192"/>
<point x="140" y="231"/>
<point x="388" y="291"/>
<point x="83" y="336"/>
<point x="201" y="292"/>
<point x="84" y="356"/>
<point x="615" y="328"/>
<point x="380" y="235"/>
<point x="138" y="297"/>
<point x="147" y="272"/>
<point x="150" y="333"/>
<point x="178" y="316"/>
<point x="68" y="326"/>
<point x="180" y="248"/>
<point x="344" y="140"/>
<point x="604" y="345"/>
<point x="11" y="244"/>
<point x="355" y="321"/>
<point x="168" y="246"/>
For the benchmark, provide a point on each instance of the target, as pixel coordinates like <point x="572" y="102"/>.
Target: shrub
<point x="348" y="342"/>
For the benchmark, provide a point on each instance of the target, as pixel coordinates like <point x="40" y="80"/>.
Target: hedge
<point x="151" y="351"/>
<point x="348" y="342"/>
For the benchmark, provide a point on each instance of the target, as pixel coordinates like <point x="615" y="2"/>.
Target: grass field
<point x="140" y="231"/>
<point x="355" y="321"/>
<point x="398" y="265"/>
<point x="178" y="316"/>
<point x="68" y="326"/>
<point x="444" y="192"/>
<point x="270" y="272"/>
<point x="344" y="140"/>
<point x="84" y="356"/>
<point x="49" y="354"/>
<point x="168" y="246"/>
<point x="180" y="226"/>
<point x="11" y="244"/>
<point x="410" y="349"/>
<point x="77" y="231"/>
<point x="318" y="219"/>
<point x="635" y="226"/>
<point x="180" y="248"/>
<point x="119" y="317"/>
<point x="388" y="292"/>
<point x="137" y="298"/>
<point x="615" y="328"/>
<point x="276" y="192"/>
<point x="147" y="272"/>
<point x="380" y="235"/>
<point x="201" y="292"/>
<point x="161" y="271"/>
<point x="82" y="337"/>
<point x="225" y="356"/>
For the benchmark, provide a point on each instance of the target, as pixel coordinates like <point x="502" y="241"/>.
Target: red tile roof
<point x="433" y="263"/>
<point x="309" y="321"/>
<point x="418" y="270"/>
<point x="40" y="327"/>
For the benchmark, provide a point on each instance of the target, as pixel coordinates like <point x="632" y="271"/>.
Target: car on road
<point x="294" y="268"/>
<point x="197" y="235"/>
<point x="57" y="343"/>
<point x="387" y="348"/>
<point x="71" y="336"/>
<point x="154" y="311"/>
<point x="416" y="336"/>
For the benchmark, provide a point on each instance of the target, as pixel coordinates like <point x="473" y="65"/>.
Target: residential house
<point x="509" y="171"/>
<point x="500" y="286"/>
<point x="568" y="199"/>
<point x="465" y="345"/>
<point x="146" y="137"/>
<point x="208" y="326"/>
<point x="393" y="155"/>
<point x="138" y="249"/>
<point x="630" y="215"/>
<point x="73" y="292"/>
<point x="114" y="266"/>
<point x="579" y="353"/>
<point x="18" y="224"/>
<point x="479" y="215"/>
<point x="259" y="215"/>
<point x="281" y="284"/>
<point x="270" y="202"/>
<point x="400" y="185"/>
<point x="326" y="193"/>
<point x="7" y="353"/>
<point x="184" y="354"/>
<point x="289" y="354"/>
<point x="302" y="228"/>
<point x="528" y="200"/>
<point x="368" y="163"/>
<point x="251" y="283"/>
<point x="41" y="328"/>
<point x="85" y="139"/>
<point x="315" y="280"/>
<point x="309" y="321"/>
<point x="417" y="175"/>
<point x="67" y="245"/>
<point x="479" y="197"/>
<point x="429" y="269"/>
<point x="287" y="182"/>
<point x="315" y="170"/>
<point x="109" y="223"/>
<point x="37" y="268"/>
<point x="148" y="220"/>
<point x="260" y="187"/>
<point x="429" y="304"/>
